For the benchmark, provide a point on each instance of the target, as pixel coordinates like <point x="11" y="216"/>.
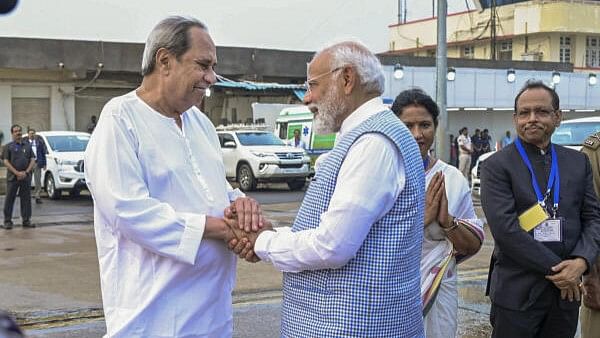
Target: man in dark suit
<point x="538" y="259"/>
<point x="39" y="151"/>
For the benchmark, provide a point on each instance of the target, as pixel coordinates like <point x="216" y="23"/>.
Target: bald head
<point x="366" y="64"/>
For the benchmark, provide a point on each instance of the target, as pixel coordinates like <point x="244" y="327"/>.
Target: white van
<point x="301" y="118"/>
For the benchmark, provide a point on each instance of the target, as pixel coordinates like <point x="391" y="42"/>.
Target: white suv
<point x="64" y="162"/>
<point x="253" y="156"/>
<point x="476" y="172"/>
<point x="572" y="133"/>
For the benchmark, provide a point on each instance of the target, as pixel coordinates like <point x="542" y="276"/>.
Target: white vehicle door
<point x="229" y="153"/>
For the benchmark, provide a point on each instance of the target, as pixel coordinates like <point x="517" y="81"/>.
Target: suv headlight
<point x="64" y="162"/>
<point x="261" y="154"/>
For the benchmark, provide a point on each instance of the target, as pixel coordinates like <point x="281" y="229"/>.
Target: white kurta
<point x="153" y="185"/>
<point x="368" y="183"/>
<point x="441" y="321"/>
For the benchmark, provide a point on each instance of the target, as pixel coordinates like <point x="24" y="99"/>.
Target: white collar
<point x="361" y="114"/>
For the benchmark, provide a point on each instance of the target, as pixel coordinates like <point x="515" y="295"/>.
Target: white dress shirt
<point x="153" y="185"/>
<point x="368" y="183"/>
<point x="301" y="144"/>
<point x="463" y="140"/>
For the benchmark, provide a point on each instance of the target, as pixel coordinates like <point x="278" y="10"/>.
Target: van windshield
<point x="259" y="139"/>
<point x="573" y="134"/>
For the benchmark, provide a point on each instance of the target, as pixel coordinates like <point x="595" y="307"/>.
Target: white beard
<point x="331" y="106"/>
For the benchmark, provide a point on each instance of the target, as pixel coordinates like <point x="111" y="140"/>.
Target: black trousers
<point x="545" y="319"/>
<point x="23" y="187"/>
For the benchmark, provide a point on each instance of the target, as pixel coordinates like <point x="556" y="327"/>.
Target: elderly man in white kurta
<point x="155" y="171"/>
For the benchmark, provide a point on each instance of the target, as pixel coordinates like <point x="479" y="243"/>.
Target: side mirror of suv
<point x="229" y="144"/>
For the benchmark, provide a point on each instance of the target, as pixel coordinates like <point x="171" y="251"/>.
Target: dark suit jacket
<point x="40" y="156"/>
<point x="520" y="263"/>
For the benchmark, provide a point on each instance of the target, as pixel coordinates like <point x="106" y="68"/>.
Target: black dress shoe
<point x="28" y="224"/>
<point x="7" y="225"/>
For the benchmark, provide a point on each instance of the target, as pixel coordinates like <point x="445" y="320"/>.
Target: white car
<point x="253" y="156"/>
<point x="572" y="133"/>
<point x="64" y="162"/>
<point x="476" y="172"/>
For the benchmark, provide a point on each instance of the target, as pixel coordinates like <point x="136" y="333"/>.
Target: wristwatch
<point x="455" y="224"/>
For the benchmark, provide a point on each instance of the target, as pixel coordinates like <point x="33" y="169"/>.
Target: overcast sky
<point x="280" y="24"/>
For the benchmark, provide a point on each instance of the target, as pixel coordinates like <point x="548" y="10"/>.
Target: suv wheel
<point x="296" y="185"/>
<point x="74" y="192"/>
<point x="53" y="193"/>
<point x="245" y="178"/>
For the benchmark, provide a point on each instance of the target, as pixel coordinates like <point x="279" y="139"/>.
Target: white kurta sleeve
<point x="368" y="183"/>
<point x="114" y="175"/>
<point x="233" y="194"/>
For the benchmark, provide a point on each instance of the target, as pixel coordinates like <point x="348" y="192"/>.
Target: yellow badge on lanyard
<point x="533" y="217"/>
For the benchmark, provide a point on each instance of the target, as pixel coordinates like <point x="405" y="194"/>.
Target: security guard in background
<point x="590" y="310"/>
<point x="19" y="160"/>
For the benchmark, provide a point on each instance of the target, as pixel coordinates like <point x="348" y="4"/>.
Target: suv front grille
<point x="289" y="156"/>
<point x="478" y="173"/>
<point x="291" y="166"/>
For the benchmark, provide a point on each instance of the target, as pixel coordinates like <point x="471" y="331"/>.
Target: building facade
<point x="565" y="31"/>
<point x="49" y="84"/>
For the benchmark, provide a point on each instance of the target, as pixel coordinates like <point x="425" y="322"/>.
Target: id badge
<point x="532" y="217"/>
<point x="549" y="231"/>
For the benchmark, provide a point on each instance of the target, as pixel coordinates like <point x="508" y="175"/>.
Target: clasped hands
<point x="245" y="221"/>
<point x="436" y="202"/>
<point x="21" y="175"/>
<point x="567" y="277"/>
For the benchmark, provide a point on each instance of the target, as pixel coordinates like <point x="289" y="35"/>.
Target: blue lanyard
<point x="426" y="162"/>
<point x="553" y="180"/>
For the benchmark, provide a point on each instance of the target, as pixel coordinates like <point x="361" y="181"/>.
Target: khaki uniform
<point x="590" y="310"/>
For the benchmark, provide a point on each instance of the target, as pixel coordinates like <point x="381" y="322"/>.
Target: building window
<point x="467" y="52"/>
<point x="504" y="50"/>
<point x="592" y="51"/>
<point x="431" y="53"/>
<point x="565" y="49"/>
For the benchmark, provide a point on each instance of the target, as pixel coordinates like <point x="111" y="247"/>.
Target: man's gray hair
<point x="172" y="34"/>
<point x="367" y="65"/>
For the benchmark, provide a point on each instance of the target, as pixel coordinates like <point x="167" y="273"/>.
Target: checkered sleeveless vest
<point x="377" y="293"/>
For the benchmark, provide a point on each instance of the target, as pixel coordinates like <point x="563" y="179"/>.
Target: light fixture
<point x="207" y="92"/>
<point x="555" y="78"/>
<point x="398" y="71"/>
<point x="511" y="76"/>
<point x="451" y="76"/>
<point x="592" y="80"/>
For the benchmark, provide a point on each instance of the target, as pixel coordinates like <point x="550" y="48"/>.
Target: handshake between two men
<point x="245" y="222"/>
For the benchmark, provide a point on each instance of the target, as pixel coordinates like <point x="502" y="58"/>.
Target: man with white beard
<point x="351" y="259"/>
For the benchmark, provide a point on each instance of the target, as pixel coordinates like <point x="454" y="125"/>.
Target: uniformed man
<point x="590" y="310"/>
<point x="19" y="160"/>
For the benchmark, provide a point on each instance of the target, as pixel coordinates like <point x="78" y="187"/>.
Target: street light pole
<point x="441" y="145"/>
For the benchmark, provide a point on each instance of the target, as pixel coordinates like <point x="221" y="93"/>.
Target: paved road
<point x="54" y="268"/>
<point x="67" y="205"/>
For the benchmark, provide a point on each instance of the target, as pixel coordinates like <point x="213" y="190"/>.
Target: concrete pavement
<point x="50" y="273"/>
<point x="49" y="280"/>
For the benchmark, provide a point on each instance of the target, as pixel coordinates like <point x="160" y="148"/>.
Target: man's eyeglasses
<point x="539" y="113"/>
<point x="313" y="81"/>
